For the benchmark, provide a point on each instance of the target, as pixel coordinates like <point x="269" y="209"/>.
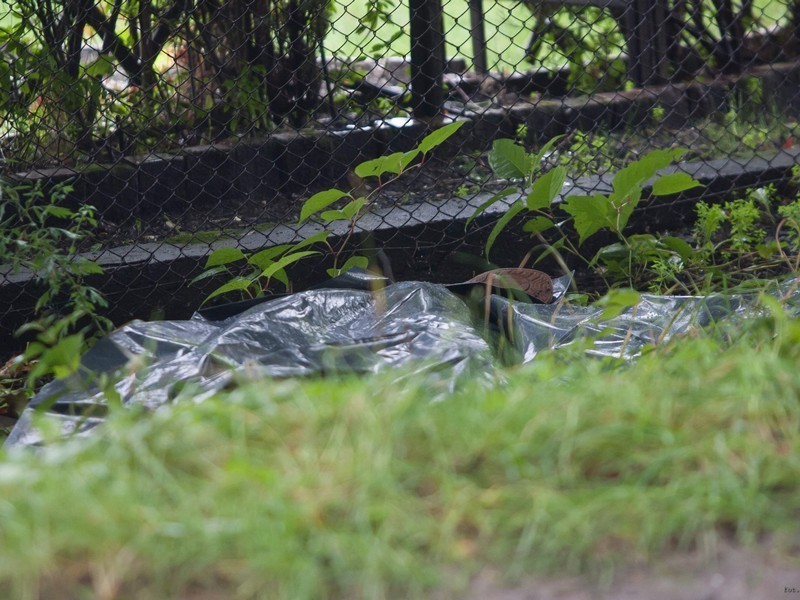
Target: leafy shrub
<point x="40" y="235"/>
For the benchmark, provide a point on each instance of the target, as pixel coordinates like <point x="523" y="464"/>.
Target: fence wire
<point x="195" y="124"/>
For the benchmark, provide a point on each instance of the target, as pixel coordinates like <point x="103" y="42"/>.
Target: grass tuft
<point x="363" y="489"/>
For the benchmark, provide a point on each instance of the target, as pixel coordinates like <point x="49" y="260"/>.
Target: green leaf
<point x="282" y="276"/>
<point x="330" y="216"/>
<point x="488" y="203"/>
<point x="430" y="141"/>
<point x="347" y="213"/>
<point x="59" y="212"/>
<point x="539" y="156"/>
<point x="317" y="238"/>
<point x="267" y="256"/>
<point x="630" y="179"/>
<point x="616" y="253"/>
<point x="393" y="163"/>
<point x="63" y="359"/>
<point x="224" y="256"/>
<point x="509" y="160"/>
<point x="362" y="262"/>
<point x="678" y="246"/>
<point x="538" y="225"/>
<point x="590" y="214"/>
<point x="545" y="189"/>
<point x="616" y="301"/>
<point x="285" y="262"/>
<point x="501" y="224"/>
<point x="628" y="182"/>
<point x="86" y="267"/>
<point x="674" y="183"/>
<point x="236" y="284"/>
<point x="209" y="273"/>
<point x="319" y="201"/>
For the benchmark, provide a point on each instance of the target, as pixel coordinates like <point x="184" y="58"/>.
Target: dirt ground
<point x="733" y="573"/>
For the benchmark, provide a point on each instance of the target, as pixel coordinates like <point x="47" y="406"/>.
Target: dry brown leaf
<point x="536" y="284"/>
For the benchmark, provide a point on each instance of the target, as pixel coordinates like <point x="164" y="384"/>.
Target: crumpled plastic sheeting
<point x="422" y="327"/>
<point x="653" y="321"/>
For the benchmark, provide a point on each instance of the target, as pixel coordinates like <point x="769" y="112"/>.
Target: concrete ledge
<point x="242" y="170"/>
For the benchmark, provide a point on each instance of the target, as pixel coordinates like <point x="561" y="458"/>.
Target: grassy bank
<point x="364" y="489"/>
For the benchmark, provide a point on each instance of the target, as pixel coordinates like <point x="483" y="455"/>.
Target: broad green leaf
<point x="435" y="138"/>
<point x="285" y="262"/>
<point x="209" y="273"/>
<point x="488" y="203"/>
<point x="540" y="156"/>
<point x="282" y="276"/>
<point x="501" y="224"/>
<point x="674" y="183"/>
<point x="317" y="238"/>
<point x="330" y="216"/>
<point x="362" y="262"/>
<point x="590" y="214"/>
<point x="612" y="253"/>
<point x="392" y="163"/>
<point x="347" y="213"/>
<point x="629" y="180"/>
<point x="224" y="256"/>
<point x="320" y="201"/>
<point x="538" y="225"/>
<point x="509" y="160"/>
<point x="545" y="189"/>
<point x="616" y="301"/>
<point x="678" y="246"/>
<point x="237" y="284"/>
<point x="352" y="208"/>
<point x="267" y="256"/>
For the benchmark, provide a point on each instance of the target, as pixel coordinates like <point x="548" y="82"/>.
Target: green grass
<point x="507" y="28"/>
<point x="364" y="489"/>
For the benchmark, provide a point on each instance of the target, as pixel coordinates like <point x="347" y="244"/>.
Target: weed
<point x="624" y="260"/>
<point x="41" y="235"/>
<point x="253" y="274"/>
<point x="744" y="216"/>
<point x="657" y="114"/>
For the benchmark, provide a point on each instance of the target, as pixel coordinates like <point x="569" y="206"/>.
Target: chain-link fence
<point x="192" y="125"/>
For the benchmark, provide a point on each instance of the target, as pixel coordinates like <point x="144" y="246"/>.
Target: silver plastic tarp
<point x="422" y="329"/>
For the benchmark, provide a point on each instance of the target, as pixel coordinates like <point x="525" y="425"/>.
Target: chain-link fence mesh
<point x="196" y="124"/>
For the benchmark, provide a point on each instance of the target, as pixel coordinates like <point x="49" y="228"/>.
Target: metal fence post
<point x="478" y="34"/>
<point x="427" y="57"/>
